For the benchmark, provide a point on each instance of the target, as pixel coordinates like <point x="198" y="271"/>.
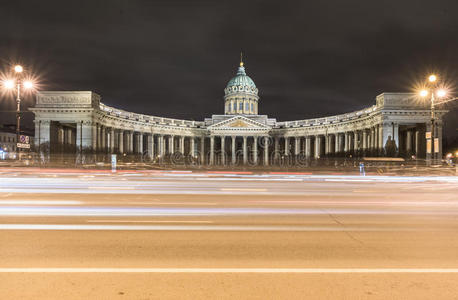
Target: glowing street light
<point x="432" y="88"/>
<point x="18" y="69"/>
<point x="8" y="84"/>
<point x="441" y="93"/>
<point x="16" y="84"/>
<point x="28" y="84"/>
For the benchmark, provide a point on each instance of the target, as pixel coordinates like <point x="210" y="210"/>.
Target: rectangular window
<point x="247" y="106"/>
<point x="252" y="108"/>
<point x="241" y="106"/>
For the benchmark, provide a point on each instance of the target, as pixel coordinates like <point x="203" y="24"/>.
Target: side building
<point x="78" y="122"/>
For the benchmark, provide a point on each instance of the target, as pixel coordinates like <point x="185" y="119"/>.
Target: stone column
<point x="160" y="145"/>
<point x="347" y="146"/>
<point x="140" y="143"/>
<point x="120" y="142"/>
<point x="171" y="144"/>
<point x="255" y="150"/>
<point x="60" y="135"/>
<point x="276" y="148"/>
<point x="417" y="142"/>
<point x="234" y="151"/>
<point x="99" y="137"/>
<point x="92" y="127"/>
<point x="364" y="139"/>
<point x="326" y="144"/>
<point x="317" y="146"/>
<point x="350" y="142"/>
<point x="182" y="145"/>
<point x="150" y="146"/>
<point x="286" y="146"/>
<point x="192" y="146"/>
<point x="85" y="137"/>
<point x="245" y="150"/>
<point x="330" y="148"/>
<point x="297" y="145"/>
<point x="336" y="143"/>
<point x="104" y="139"/>
<point x="212" y="150"/>
<point x="112" y="140"/>
<point x="376" y="139"/>
<point x="130" y="142"/>
<point x="202" y="150"/>
<point x="308" y="146"/>
<point x="408" y="141"/>
<point x="266" y="150"/>
<point x="223" y="150"/>
<point x="395" y="135"/>
<point x="68" y="136"/>
<point x="356" y="140"/>
<point x="372" y="145"/>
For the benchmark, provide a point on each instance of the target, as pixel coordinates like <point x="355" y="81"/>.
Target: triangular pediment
<point x="239" y="123"/>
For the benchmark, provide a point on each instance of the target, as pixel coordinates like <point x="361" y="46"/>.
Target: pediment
<point x="238" y="123"/>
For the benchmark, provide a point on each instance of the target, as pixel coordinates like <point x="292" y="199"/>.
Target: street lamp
<point x="17" y="82"/>
<point x="433" y="90"/>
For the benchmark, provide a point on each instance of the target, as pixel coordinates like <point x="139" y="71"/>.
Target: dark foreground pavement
<point x="184" y="235"/>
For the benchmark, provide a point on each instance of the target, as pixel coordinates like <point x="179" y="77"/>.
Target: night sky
<point x="174" y="58"/>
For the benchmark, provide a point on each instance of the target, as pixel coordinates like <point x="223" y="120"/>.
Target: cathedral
<point x="77" y="122"/>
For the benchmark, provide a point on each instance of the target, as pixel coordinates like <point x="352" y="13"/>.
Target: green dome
<point x="241" y="79"/>
<point x="241" y="84"/>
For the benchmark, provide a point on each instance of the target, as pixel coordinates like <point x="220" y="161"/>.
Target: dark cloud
<point x="173" y="58"/>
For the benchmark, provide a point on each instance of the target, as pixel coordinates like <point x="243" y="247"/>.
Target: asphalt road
<point x="183" y="235"/>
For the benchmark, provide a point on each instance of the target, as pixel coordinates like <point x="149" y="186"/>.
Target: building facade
<point x="78" y="122"/>
<point x="8" y="143"/>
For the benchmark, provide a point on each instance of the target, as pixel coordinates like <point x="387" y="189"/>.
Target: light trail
<point x="40" y="202"/>
<point x="232" y="270"/>
<point x="203" y="211"/>
<point x="279" y="228"/>
<point x="148" y="221"/>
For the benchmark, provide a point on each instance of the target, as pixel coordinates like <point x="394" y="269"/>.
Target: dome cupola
<point x="241" y="94"/>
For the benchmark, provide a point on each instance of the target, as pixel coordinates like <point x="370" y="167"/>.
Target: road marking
<point x="147" y="221"/>
<point x="244" y="190"/>
<point x="227" y="270"/>
<point x="111" y="187"/>
<point x="171" y="203"/>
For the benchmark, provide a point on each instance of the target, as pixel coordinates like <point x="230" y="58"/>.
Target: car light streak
<point x="86" y="227"/>
<point x="230" y="270"/>
<point x="39" y="202"/>
<point x="202" y="211"/>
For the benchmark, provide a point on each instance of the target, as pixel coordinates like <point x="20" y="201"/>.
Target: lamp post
<point x="433" y="90"/>
<point x="11" y="84"/>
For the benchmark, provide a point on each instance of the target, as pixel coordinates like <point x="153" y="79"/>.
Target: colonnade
<point x="215" y="149"/>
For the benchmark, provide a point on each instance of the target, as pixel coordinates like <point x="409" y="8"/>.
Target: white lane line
<point x="369" y="202"/>
<point x="244" y="190"/>
<point x="147" y="221"/>
<point x="171" y="203"/>
<point x="111" y="187"/>
<point x="40" y="202"/>
<point x="201" y="228"/>
<point x="228" y="270"/>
